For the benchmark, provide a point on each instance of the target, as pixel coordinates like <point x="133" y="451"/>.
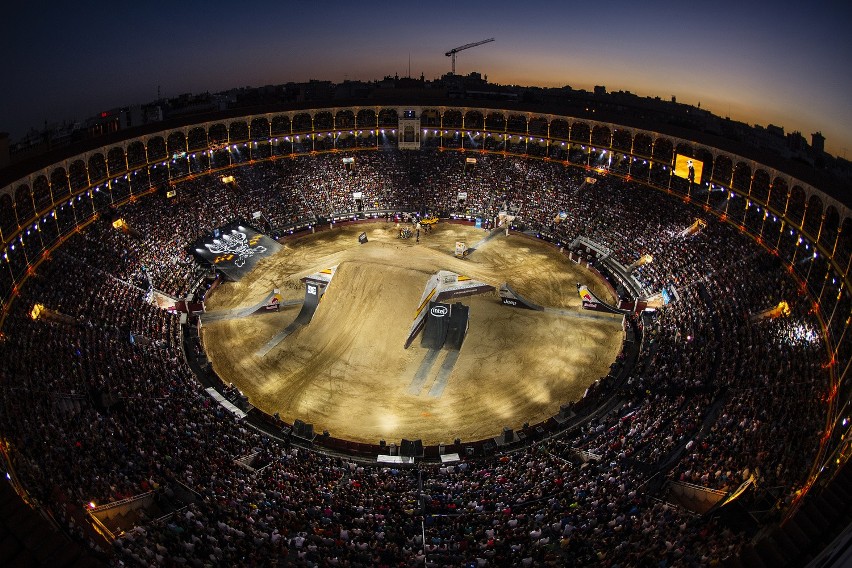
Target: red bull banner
<point x="591" y="302"/>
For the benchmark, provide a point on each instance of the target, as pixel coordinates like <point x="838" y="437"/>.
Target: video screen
<point x="688" y="168"/>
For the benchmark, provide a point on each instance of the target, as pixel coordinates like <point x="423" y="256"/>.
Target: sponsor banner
<point x="462" y="195"/>
<point x="235" y="249"/>
<point x="506" y="301"/>
<point x="275" y="301"/>
<point x="356" y="195"/>
<point x="439" y="310"/>
<point x="591" y="302"/>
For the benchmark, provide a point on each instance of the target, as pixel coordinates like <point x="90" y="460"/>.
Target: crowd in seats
<point x="100" y="404"/>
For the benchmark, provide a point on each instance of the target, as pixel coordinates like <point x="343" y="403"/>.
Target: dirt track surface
<point x="347" y="371"/>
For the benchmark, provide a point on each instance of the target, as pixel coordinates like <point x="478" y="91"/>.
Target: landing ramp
<point x="313" y="292"/>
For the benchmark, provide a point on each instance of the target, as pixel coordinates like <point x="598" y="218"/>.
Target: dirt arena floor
<point x="348" y="372"/>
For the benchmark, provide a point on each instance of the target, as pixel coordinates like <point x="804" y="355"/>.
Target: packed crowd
<point x="101" y="405"/>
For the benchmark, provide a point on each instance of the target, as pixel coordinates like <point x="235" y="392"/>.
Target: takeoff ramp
<point x="508" y="297"/>
<point x="272" y="302"/>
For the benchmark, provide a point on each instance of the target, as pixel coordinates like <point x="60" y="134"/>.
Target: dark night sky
<point x="785" y="63"/>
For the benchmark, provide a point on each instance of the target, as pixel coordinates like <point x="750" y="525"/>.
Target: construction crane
<point x="453" y="51"/>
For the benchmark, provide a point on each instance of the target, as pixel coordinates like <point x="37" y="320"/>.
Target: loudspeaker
<point x="303" y="430"/>
<point x="298" y="428"/>
<point x="508" y="435"/>
<point x="411" y="449"/>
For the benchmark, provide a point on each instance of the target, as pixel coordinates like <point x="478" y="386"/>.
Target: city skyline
<point x="784" y="67"/>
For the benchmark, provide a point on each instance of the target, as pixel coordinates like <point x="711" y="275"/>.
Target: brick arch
<point x="843" y="253"/>
<point x="24" y="204"/>
<point x="196" y="138"/>
<point x="796" y="206"/>
<point x="77" y="176"/>
<point x="580" y="133"/>
<point x="516" y="123"/>
<point x="259" y="128"/>
<point x="474" y="120"/>
<point x="601" y="136"/>
<point x="8" y="222"/>
<point x="366" y="118"/>
<point x="175" y="144"/>
<point x="430" y="117"/>
<point x="723" y="169"/>
<point x="41" y="193"/>
<point x="238" y="131"/>
<point x="621" y="139"/>
<point x="323" y="120"/>
<point x="663" y="150"/>
<point x="451" y="119"/>
<point x="495" y="121"/>
<point x="156" y="149"/>
<point x="830" y="225"/>
<point x="59" y="188"/>
<point x="217" y="133"/>
<point x="97" y="168"/>
<point x="136" y="154"/>
<point x="388" y="117"/>
<point x="116" y="161"/>
<point x="779" y="193"/>
<point x="642" y="144"/>
<point x="760" y="185"/>
<point x="344" y="119"/>
<point x="537" y="126"/>
<point x="685" y="149"/>
<point x="813" y="215"/>
<point x="741" y="178"/>
<point x="706" y="157"/>
<point x="281" y="125"/>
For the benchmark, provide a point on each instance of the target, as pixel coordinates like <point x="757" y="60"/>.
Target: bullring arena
<point x="347" y="371"/>
<point x="205" y="363"/>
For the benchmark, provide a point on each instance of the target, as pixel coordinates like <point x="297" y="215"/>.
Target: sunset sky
<point x="785" y="63"/>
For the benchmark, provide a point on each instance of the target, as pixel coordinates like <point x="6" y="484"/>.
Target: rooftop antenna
<point x="409" y="65"/>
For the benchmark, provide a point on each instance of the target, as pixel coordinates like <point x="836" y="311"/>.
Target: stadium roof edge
<point x="820" y="180"/>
